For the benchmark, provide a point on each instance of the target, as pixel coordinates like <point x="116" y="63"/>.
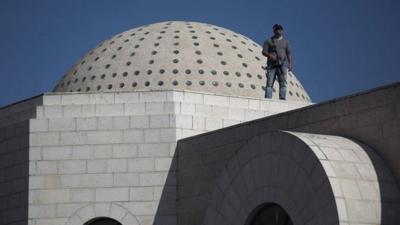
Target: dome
<point x="176" y="56"/>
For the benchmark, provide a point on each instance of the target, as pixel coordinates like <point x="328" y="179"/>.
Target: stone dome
<point x="176" y="55"/>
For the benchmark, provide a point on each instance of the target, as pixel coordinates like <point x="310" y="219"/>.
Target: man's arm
<point x="289" y="57"/>
<point x="265" y="51"/>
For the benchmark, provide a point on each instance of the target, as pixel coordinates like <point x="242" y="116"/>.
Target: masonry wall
<point x="87" y="150"/>
<point x="372" y="117"/>
<point x="14" y="167"/>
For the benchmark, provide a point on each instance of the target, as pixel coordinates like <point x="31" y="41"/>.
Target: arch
<point x="316" y="179"/>
<point x="102" y="221"/>
<point x="269" y="213"/>
<point x="95" y="211"/>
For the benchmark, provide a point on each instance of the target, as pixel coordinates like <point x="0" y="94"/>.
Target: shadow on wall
<point x="388" y="189"/>
<point x="14" y="174"/>
<point x="166" y="213"/>
<point x="386" y="204"/>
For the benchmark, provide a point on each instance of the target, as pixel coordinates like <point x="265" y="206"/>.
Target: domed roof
<point x="176" y="56"/>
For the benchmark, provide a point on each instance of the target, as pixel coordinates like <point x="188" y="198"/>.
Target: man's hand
<point x="290" y="67"/>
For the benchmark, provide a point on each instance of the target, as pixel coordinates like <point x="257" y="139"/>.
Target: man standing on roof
<point x="277" y="51"/>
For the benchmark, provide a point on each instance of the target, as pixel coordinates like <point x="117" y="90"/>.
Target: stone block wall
<point x="116" y="150"/>
<point x="371" y="117"/>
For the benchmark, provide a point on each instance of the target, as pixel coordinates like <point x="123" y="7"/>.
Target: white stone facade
<point x="100" y="154"/>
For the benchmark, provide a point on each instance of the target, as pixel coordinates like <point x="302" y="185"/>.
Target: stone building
<point x="166" y="124"/>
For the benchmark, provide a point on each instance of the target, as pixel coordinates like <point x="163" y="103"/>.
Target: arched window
<point x="102" y="221"/>
<point x="269" y="214"/>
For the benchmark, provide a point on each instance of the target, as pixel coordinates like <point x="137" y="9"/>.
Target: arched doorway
<point x="269" y="214"/>
<point x="102" y="221"/>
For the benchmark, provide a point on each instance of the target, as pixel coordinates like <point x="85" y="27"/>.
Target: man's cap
<point x="277" y="27"/>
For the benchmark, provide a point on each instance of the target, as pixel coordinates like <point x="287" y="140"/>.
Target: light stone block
<point x="72" y="166"/>
<point x="46" y="167"/>
<point x="203" y="110"/>
<point x="73" y="138"/>
<point x="53" y="111"/>
<point x="112" y="194"/>
<point x="141" y="164"/>
<point x="51" y="196"/>
<point x="125" y="151"/>
<point x="70" y="99"/>
<point x="82" y="195"/>
<point x="132" y="109"/>
<point x="141" y="194"/>
<point x="121" y="123"/>
<point x="168" y="135"/>
<point x="213" y="123"/>
<point x="42" y="211"/>
<point x="57" y="152"/>
<point x="193" y="98"/>
<point x="129" y="97"/>
<point x="104" y="123"/>
<point x="37" y="125"/>
<point x="110" y="110"/>
<point x="151" y="179"/>
<point x="102" y="98"/>
<point x="51" y="99"/>
<point x="82" y="152"/>
<point x="181" y="121"/>
<point x="133" y="136"/>
<point x="219" y="111"/>
<point x="104" y="137"/>
<point x="152" y="135"/>
<point x="159" y="121"/>
<point x="44" y="139"/>
<point x="116" y="165"/>
<point x="176" y="96"/>
<point x="163" y="164"/>
<point x="199" y="123"/>
<point x="72" y="110"/>
<point x="97" y="166"/>
<point x="62" y="124"/>
<point x="154" y="108"/>
<point x="238" y="102"/>
<point x="86" y="124"/>
<point x="139" y="122"/>
<point x="172" y="107"/>
<point x="88" y="110"/>
<point x="160" y="96"/>
<point x="188" y="108"/>
<point x="102" y="151"/>
<point x="216" y="100"/>
<point x="153" y="150"/>
<point x="126" y="179"/>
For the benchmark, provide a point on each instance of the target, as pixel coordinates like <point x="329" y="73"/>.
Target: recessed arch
<point x="102" y="221"/>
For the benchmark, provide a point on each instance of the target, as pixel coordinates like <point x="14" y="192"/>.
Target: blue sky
<point x="339" y="47"/>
